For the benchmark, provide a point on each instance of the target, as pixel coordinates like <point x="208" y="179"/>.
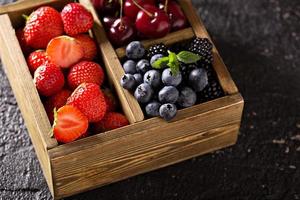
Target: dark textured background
<point x="260" y="43"/>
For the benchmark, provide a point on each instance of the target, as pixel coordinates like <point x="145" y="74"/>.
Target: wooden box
<point x="144" y="145"/>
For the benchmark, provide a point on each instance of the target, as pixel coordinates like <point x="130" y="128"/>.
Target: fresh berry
<point x="168" y="111"/>
<point x="129" y="67"/>
<point x="168" y="78"/>
<point x="41" y="26"/>
<point x="85" y="72"/>
<point x="177" y="18"/>
<point x="128" y="82"/>
<point x="212" y="91"/>
<point x="89" y="46"/>
<point x="198" y="79"/>
<point x="186" y="69"/>
<point x="64" y="51"/>
<point x="138" y="78"/>
<point x="89" y="99"/>
<point x="70" y="124"/>
<point x="121" y="32"/>
<point x="21" y="38"/>
<point x="135" y="50"/>
<point x="36" y="59"/>
<point x="202" y="47"/>
<point x="153" y="22"/>
<point x="143" y="66"/>
<point x="111" y="101"/>
<point x="131" y="10"/>
<point x="153" y="78"/>
<point x="168" y="94"/>
<point x="48" y="79"/>
<point x="56" y="101"/>
<point x="76" y="19"/>
<point x="157" y="49"/>
<point x="143" y="93"/>
<point x="155" y="58"/>
<point x="111" y="120"/>
<point x="152" y="109"/>
<point x="187" y="97"/>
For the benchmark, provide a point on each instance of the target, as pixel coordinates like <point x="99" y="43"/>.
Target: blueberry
<point x="128" y="82"/>
<point x="187" y="97"/>
<point x="168" y="94"/>
<point x="155" y="58"/>
<point x="169" y="79"/>
<point x="143" y="93"/>
<point x="198" y="79"/>
<point x="143" y="66"/>
<point x="129" y="67"/>
<point x="152" y="109"/>
<point x="168" y="111"/>
<point x="138" y="78"/>
<point x="135" y="50"/>
<point x="153" y="78"/>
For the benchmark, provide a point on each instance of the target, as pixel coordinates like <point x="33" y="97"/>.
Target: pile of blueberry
<point x="163" y="81"/>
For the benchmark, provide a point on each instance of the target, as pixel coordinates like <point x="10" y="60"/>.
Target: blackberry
<point x="213" y="90"/>
<point x="157" y="49"/>
<point x="186" y="69"/>
<point x="203" y="47"/>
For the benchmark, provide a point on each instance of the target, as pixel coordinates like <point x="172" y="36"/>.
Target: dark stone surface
<point x="259" y="41"/>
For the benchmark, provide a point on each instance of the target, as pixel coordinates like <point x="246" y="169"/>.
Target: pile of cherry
<point x="139" y="19"/>
<point x="60" y="56"/>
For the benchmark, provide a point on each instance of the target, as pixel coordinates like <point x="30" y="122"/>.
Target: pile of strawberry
<point x="60" y="57"/>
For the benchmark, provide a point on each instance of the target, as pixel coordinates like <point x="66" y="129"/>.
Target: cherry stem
<point x="143" y="9"/>
<point x="166" y="5"/>
<point x="121" y="13"/>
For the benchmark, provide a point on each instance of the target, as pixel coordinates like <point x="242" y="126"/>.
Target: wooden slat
<point x="142" y="147"/>
<point x="26" y="94"/>
<point x="223" y="75"/>
<point x="114" y="69"/>
<point x="171" y="38"/>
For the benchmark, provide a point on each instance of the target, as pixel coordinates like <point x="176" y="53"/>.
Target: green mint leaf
<point x="173" y="63"/>
<point x="160" y="63"/>
<point x="188" y="57"/>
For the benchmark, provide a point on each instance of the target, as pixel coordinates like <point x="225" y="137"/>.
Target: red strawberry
<point x="89" y="99"/>
<point x="48" y="79"/>
<point x="110" y="99"/>
<point x="85" y="72"/>
<point x="25" y="48"/>
<point x="56" y="101"/>
<point x="70" y="124"/>
<point x="76" y="19"/>
<point x="41" y="26"/>
<point x="36" y="59"/>
<point x="64" y="51"/>
<point x="89" y="46"/>
<point x="110" y="121"/>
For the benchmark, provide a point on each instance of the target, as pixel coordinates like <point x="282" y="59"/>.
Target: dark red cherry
<point x="108" y="21"/>
<point x="176" y="15"/>
<point x="131" y="10"/>
<point x="106" y="7"/>
<point x="153" y="22"/>
<point x="122" y="32"/>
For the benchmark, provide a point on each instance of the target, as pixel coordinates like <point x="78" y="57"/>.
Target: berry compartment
<point x="144" y="145"/>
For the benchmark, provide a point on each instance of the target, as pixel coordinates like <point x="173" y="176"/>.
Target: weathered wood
<point x="223" y="75"/>
<point x="114" y="69"/>
<point x="170" y="39"/>
<point x="26" y="94"/>
<point x="144" y="146"/>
